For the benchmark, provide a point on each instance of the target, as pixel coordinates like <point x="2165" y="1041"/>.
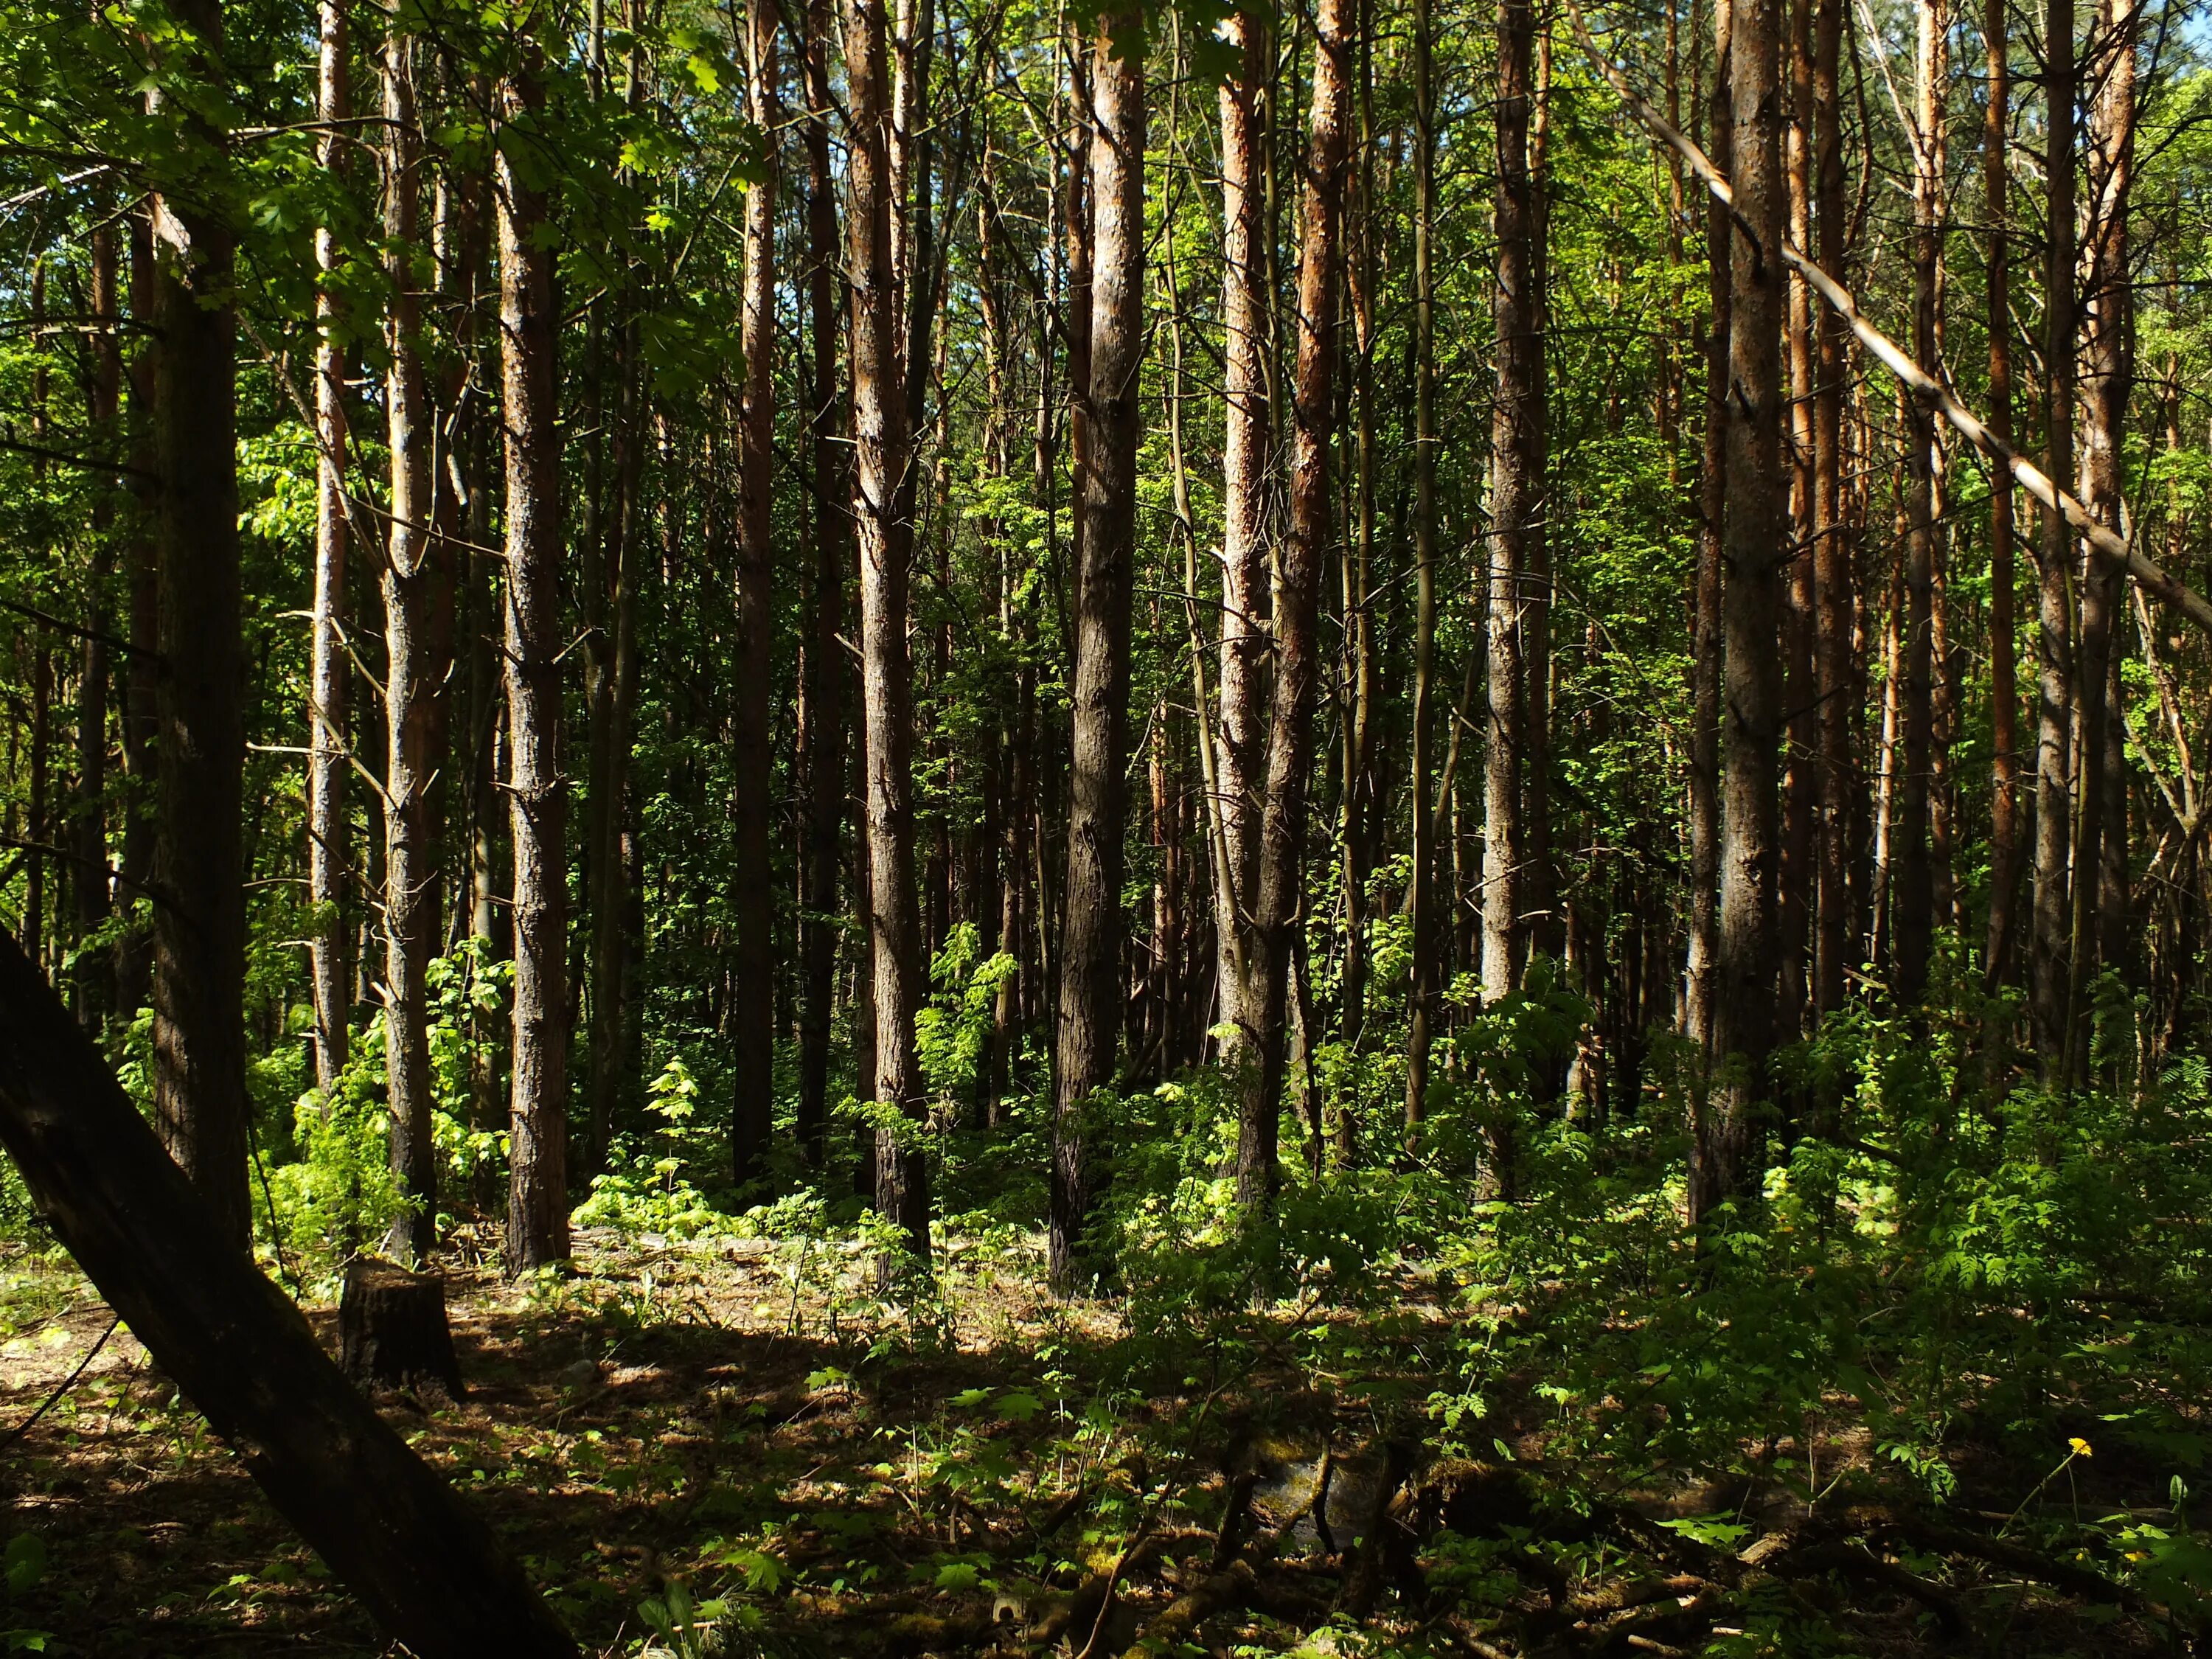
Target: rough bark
<point x="95" y="990"/>
<point x="1290" y="731"/>
<point x="1835" y="772"/>
<point x="1090" y="992"/>
<point x="330" y="673"/>
<point x="410" y="685"/>
<point x="886" y="554"/>
<point x="1426" y="936"/>
<point x="199" y="923"/>
<point x="753" y="1028"/>
<point x="1517" y="492"/>
<point x="2050" y="957"/>
<point x="1754" y="549"/>
<point x="538" y="1207"/>
<point x="1241" y="747"/>
<point x="425" y="1567"/>
<point x="823" y="736"/>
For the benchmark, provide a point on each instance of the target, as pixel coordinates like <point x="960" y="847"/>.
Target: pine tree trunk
<point x="330" y="675"/>
<point x="1755" y="548"/>
<point x="1241" y="756"/>
<point x="2050" y="972"/>
<point x="96" y="973"/>
<point x="1700" y="980"/>
<point x="410" y="686"/>
<point x="1516" y="494"/>
<point x="199" y="932"/>
<point x="825" y="727"/>
<point x="886" y="550"/>
<point x="752" y="901"/>
<point x="1298" y="666"/>
<point x="2004" y="689"/>
<point x="537" y="1206"/>
<point x="134" y="960"/>
<point x="1836" y="771"/>
<point x="1427" y="940"/>
<point x="1091" y="992"/>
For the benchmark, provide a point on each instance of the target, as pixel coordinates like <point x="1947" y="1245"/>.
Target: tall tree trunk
<point x="1091" y="995"/>
<point x="134" y="964"/>
<point x="1362" y="666"/>
<point x="1755" y="548"/>
<point x="1241" y="758"/>
<point x="1427" y="940"/>
<point x="1835" y="772"/>
<point x="2004" y="689"/>
<point x="886" y="549"/>
<point x="1701" y="985"/>
<point x="823" y="732"/>
<point x="1517" y="509"/>
<point x="96" y="975"/>
<point x="537" y="1206"/>
<point x="2099" y="931"/>
<point x="752" y="1022"/>
<point x="1912" y="899"/>
<point x="409" y="685"/>
<point x="199" y="928"/>
<point x="330" y="674"/>
<point x="2050" y="972"/>
<point x="1290" y="732"/>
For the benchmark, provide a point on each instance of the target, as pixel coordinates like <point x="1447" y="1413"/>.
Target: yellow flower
<point x="2080" y="1446"/>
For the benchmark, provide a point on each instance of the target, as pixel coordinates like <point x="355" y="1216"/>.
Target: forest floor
<point x="733" y="1429"/>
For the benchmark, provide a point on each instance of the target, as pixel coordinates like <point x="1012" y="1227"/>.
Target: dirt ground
<point x="735" y="1419"/>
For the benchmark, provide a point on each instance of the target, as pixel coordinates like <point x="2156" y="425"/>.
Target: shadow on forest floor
<point x="845" y="1484"/>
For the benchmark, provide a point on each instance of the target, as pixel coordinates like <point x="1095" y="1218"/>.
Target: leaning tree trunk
<point x="1297" y="663"/>
<point x="1755" y="550"/>
<point x="199" y="928"/>
<point x="423" y="1566"/>
<point x="537" y="1207"/>
<point x="1090" y="990"/>
<point x="886" y="549"/>
<point x="752" y="1021"/>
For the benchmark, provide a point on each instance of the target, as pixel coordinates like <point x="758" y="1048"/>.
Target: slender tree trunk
<point x="2004" y="689"/>
<point x="199" y="928"/>
<point x="1241" y="756"/>
<point x="1427" y="941"/>
<point x="134" y="963"/>
<point x="1362" y="666"/>
<point x="886" y="548"/>
<point x="1517" y="508"/>
<point x="1290" y="735"/>
<point x="538" y="1207"/>
<point x="95" y="974"/>
<point x="2099" y="931"/>
<point x="410" y="686"/>
<point x="825" y="727"/>
<point x="1091" y="993"/>
<point x="752" y="899"/>
<point x="1912" y="899"/>
<point x="1835" y="772"/>
<point x="2050" y="972"/>
<point x="1701" y="981"/>
<point x="1754" y="547"/>
<point x="330" y="674"/>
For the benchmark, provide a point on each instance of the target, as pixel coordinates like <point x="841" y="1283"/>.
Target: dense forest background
<point x="1251" y="677"/>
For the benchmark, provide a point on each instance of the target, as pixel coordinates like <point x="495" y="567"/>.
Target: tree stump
<point x="392" y="1329"/>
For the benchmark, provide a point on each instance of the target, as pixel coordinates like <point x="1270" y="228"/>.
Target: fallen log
<point x="424" y="1566"/>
